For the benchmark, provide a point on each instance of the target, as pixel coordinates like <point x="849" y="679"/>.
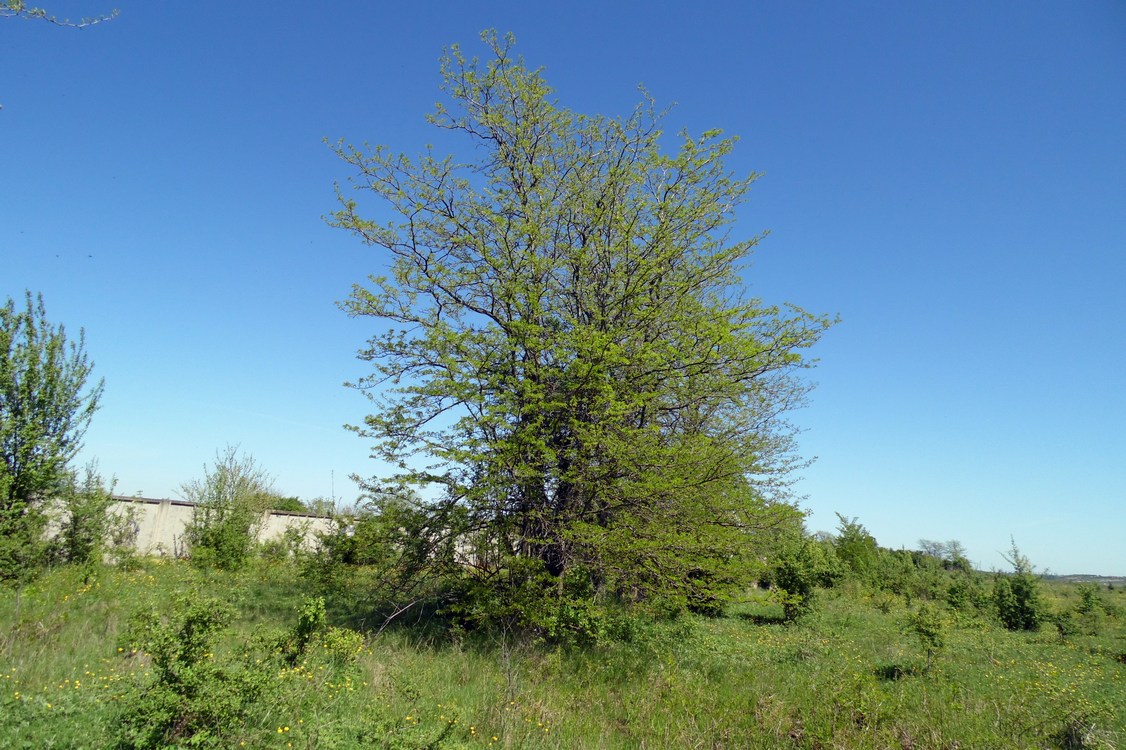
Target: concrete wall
<point x="159" y="524"/>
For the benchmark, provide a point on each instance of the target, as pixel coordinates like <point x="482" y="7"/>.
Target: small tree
<point x="229" y="502"/>
<point x="45" y="408"/>
<point x="855" y="546"/>
<point x="88" y="529"/>
<point x="1017" y="596"/>
<point x="1089" y="599"/>
<point x="926" y="624"/>
<point x="951" y="553"/>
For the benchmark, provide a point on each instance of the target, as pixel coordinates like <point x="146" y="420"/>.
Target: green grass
<point x="848" y="676"/>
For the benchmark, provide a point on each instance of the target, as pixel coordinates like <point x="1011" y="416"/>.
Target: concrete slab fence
<point x="158" y="524"/>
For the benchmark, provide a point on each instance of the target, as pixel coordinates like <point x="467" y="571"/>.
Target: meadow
<point x="90" y="656"/>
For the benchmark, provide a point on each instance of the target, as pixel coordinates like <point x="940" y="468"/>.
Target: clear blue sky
<point x="949" y="177"/>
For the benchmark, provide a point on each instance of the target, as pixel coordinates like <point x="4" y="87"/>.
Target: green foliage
<point x="193" y="698"/>
<point x="967" y="594"/>
<point x="569" y="350"/>
<point x="341" y="646"/>
<point x="1067" y="625"/>
<point x="322" y="506"/>
<point x="311" y="622"/>
<point x="952" y="554"/>
<point x="45" y="408"/>
<point x="926" y="623"/>
<point x="1017" y="596"/>
<point x="917" y="575"/>
<point x="856" y="548"/>
<point x="802" y="565"/>
<point x="312" y="632"/>
<point x="89" y="532"/>
<point x="1089" y="599"/>
<point x="290" y="545"/>
<point x="898" y="571"/>
<point x="743" y="680"/>
<point x="1087" y="616"/>
<point x="291" y="504"/>
<point x="396" y="541"/>
<point x="524" y="598"/>
<point x="204" y="695"/>
<point x="229" y="502"/>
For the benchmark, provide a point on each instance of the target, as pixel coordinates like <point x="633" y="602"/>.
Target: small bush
<point x="289" y="546"/>
<point x="339" y="645"/>
<point x="800" y="567"/>
<point x="1066" y="624"/>
<point x="1017" y="596"/>
<point x="193" y="698"/>
<point x="927" y="625"/>
<point x="967" y="594"/>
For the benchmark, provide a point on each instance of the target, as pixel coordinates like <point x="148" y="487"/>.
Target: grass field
<point x="846" y="676"/>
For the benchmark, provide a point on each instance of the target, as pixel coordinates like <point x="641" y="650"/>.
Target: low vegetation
<point x="278" y="655"/>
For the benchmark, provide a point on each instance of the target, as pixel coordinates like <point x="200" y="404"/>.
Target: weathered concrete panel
<point x="159" y="524"/>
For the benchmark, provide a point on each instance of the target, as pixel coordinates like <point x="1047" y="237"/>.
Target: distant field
<point x="847" y="676"/>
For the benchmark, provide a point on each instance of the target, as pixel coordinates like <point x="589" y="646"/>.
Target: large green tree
<point x="569" y="353"/>
<point x="45" y="408"/>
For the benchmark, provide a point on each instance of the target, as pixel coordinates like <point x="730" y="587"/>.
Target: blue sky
<point x="949" y="178"/>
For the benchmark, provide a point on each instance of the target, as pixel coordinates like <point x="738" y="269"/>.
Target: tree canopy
<point x="45" y="409"/>
<point x="569" y="354"/>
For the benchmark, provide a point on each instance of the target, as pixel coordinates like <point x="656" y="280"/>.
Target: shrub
<point x="855" y="547"/>
<point x="796" y="572"/>
<point x="339" y="645"/>
<point x="1089" y="599"/>
<point x="229" y="502"/>
<point x="192" y="697"/>
<point x="291" y="504"/>
<point x="289" y="546"/>
<point x="1017" y="596"/>
<point x="88" y="531"/>
<point x="1066" y="624"/>
<point x="966" y="593"/>
<point x="926" y="624"/>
